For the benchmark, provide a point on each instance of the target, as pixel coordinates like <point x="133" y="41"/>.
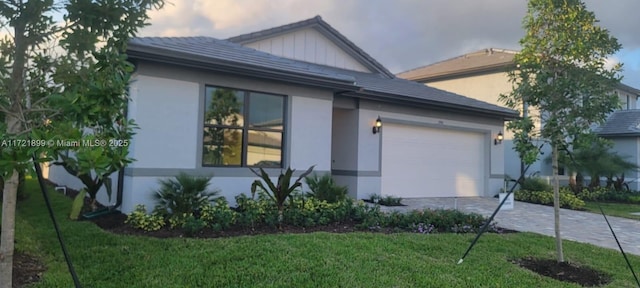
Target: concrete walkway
<point x="578" y="226"/>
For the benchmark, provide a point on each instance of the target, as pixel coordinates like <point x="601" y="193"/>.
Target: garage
<point x="420" y="161"/>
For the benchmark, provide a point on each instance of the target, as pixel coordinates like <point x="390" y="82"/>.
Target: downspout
<point x="525" y="114"/>
<point x="119" y="190"/>
<point x="120" y="187"/>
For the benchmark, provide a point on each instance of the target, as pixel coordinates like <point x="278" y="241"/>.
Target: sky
<point x="400" y="34"/>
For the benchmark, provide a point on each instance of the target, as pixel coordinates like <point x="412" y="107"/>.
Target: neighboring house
<point x="294" y="96"/>
<point x="483" y="75"/>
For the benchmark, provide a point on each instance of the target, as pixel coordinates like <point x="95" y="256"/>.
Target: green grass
<point x="103" y="259"/>
<point x="614" y="209"/>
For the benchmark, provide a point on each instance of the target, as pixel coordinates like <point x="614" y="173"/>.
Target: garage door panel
<point x="430" y="162"/>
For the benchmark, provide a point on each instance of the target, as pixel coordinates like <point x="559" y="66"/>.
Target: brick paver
<point x="578" y="226"/>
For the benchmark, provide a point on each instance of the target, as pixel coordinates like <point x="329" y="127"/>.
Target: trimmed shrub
<point x="535" y="184"/>
<point x="193" y="225"/>
<point x="609" y="195"/>
<point x="139" y="219"/>
<point x="219" y="216"/>
<point x="567" y="198"/>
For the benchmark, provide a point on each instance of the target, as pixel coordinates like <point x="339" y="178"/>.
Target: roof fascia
<point x="442" y="106"/>
<point x="218" y="65"/>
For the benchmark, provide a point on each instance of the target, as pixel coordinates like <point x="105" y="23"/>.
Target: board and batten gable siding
<point x="308" y="45"/>
<point x="627" y="100"/>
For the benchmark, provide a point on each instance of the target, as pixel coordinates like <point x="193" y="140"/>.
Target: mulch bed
<point x="565" y="271"/>
<point x="27" y="269"/>
<point x="115" y="223"/>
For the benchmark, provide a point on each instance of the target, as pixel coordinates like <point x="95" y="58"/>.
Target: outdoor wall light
<point x="498" y="139"/>
<point x="377" y="126"/>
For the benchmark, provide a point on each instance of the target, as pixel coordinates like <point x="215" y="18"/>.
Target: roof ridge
<point x="317" y="20"/>
<point x="489" y="51"/>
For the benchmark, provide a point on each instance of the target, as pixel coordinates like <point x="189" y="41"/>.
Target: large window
<point x="242" y="128"/>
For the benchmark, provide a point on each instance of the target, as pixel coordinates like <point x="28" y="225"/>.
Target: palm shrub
<point x="325" y="188"/>
<point x="183" y="194"/>
<point x="280" y="191"/>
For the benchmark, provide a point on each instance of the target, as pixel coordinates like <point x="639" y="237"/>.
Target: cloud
<point x="401" y="34"/>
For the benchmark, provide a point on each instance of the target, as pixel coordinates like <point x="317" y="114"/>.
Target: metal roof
<point x="621" y="123"/>
<point x="224" y="56"/>
<point x="323" y="27"/>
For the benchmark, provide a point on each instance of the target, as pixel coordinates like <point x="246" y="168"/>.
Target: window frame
<point x="245" y="127"/>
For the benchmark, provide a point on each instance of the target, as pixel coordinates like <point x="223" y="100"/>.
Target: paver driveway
<point x="575" y="225"/>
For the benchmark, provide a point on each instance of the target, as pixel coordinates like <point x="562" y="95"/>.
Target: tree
<point x="48" y="72"/>
<point x="561" y="74"/>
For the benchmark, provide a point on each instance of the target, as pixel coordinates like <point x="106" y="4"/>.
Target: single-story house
<point x="482" y="75"/>
<point x="298" y="95"/>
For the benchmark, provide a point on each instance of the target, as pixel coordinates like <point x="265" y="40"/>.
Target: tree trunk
<point x="7" y="237"/>
<point x="556" y="204"/>
<point x="14" y="126"/>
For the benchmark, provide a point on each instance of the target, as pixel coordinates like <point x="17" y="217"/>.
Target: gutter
<point x="390" y="98"/>
<point x="218" y="65"/>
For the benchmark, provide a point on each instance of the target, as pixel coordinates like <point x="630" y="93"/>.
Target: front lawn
<point x="614" y="209"/>
<point x="103" y="259"/>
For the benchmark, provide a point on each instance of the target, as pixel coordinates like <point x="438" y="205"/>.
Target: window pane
<point x="266" y="111"/>
<point x="223" y="106"/>
<point x="222" y="147"/>
<point x="264" y="149"/>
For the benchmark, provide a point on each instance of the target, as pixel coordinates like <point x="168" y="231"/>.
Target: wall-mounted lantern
<point x="377" y="126"/>
<point x="498" y="139"/>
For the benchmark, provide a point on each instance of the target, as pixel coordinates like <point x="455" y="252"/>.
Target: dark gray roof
<point x="621" y="123"/>
<point x="324" y="28"/>
<point x="220" y="55"/>
<point x="209" y="50"/>
<point x="376" y="85"/>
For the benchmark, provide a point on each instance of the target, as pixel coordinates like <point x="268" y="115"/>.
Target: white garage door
<point x="429" y="162"/>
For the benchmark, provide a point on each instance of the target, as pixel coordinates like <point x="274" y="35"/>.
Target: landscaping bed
<point x="565" y="271"/>
<point x="290" y="256"/>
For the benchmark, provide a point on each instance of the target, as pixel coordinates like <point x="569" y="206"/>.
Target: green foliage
<point x="309" y="212"/>
<point x="278" y="192"/>
<point x="183" y="194"/>
<point x="253" y="212"/>
<point x="561" y="75"/>
<point x="385" y="200"/>
<point x="325" y="188"/>
<point x="535" y="184"/>
<point x="594" y="156"/>
<point x="219" y="215"/>
<point x="561" y="72"/>
<point x="260" y="261"/>
<point x="567" y="198"/>
<point x="608" y="195"/>
<point x="193" y="225"/>
<point x="78" y="203"/>
<point x="139" y="218"/>
<point x="175" y="220"/>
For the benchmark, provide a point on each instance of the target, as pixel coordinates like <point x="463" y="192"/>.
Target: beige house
<point x="483" y="75"/>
